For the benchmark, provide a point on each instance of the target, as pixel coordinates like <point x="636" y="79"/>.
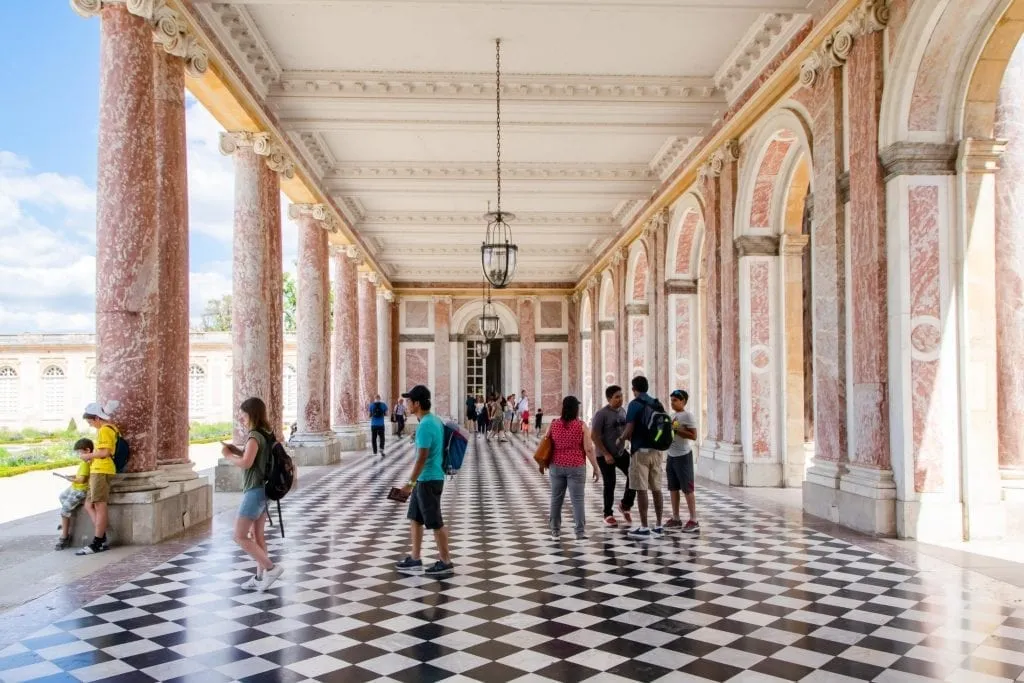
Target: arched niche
<point x="686" y="238"/>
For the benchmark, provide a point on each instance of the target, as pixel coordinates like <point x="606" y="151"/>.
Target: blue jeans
<point x="573" y="478"/>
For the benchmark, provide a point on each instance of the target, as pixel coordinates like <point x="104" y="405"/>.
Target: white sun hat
<point x="103" y="412"/>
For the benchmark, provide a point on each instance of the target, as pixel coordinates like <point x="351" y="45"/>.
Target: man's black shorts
<point x="680" y="472"/>
<point x="425" y="504"/>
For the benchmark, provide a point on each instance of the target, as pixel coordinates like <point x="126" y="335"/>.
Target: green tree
<point x="217" y="315"/>
<point x="291" y="316"/>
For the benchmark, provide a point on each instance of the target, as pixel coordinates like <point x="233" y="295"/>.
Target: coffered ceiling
<point x="391" y="103"/>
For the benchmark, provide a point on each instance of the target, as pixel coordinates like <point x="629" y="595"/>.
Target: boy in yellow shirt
<point x="73" y="496"/>
<point x="101" y="472"/>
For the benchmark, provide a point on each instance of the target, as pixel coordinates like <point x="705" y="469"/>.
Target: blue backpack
<point x="455" y="444"/>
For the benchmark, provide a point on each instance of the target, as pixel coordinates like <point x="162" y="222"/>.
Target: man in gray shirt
<point x="605" y="430"/>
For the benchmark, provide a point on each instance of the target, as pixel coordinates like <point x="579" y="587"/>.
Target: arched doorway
<point x="609" y="348"/>
<point x="499" y="372"/>
<point x="638" y="333"/>
<point x="776" y="384"/>
<point x="587" y="355"/>
<point x="683" y="265"/>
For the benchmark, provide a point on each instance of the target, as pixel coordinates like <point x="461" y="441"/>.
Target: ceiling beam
<point x="339" y="125"/>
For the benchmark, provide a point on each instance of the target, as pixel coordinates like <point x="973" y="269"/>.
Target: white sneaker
<point x="269" y="577"/>
<point x="252" y="584"/>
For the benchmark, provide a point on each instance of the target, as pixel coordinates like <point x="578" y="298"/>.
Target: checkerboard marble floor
<point x="753" y="598"/>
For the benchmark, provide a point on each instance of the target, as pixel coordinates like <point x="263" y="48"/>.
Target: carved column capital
<point x="441" y="299"/>
<point x="793" y="245"/>
<point x="353" y="253"/>
<point x="389" y="296"/>
<point x="868" y="17"/>
<point x="318" y="212"/>
<point x="979" y="155"/>
<point x="169" y="30"/>
<point x="372" y="278"/>
<point x="575" y="297"/>
<point x="592" y="282"/>
<point x="263" y="145"/>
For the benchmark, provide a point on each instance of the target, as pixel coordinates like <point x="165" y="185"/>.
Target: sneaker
<point x="640" y="533"/>
<point x="92" y="549"/>
<point x="625" y="514"/>
<point x="439" y="568"/>
<point x="269" y="577"/>
<point x="62" y="542"/>
<point x="410" y="566"/>
<point x="692" y="527"/>
<point x="252" y="584"/>
<point x="610" y="521"/>
<point x="674" y="524"/>
<point x="581" y="537"/>
<point x="657" y="531"/>
<point x="555" y="536"/>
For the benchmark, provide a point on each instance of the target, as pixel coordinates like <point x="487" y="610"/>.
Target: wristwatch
<point x="412" y="482"/>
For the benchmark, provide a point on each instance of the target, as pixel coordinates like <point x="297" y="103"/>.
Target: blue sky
<point x="50" y="84"/>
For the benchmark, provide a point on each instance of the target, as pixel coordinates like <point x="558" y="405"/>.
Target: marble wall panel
<point x="609" y="302"/>
<point x="639" y="285"/>
<point x="609" y="356"/>
<point x="637" y="345"/>
<point x="551" y="389"/>
<point x="528" y="345"/>
<point x="442" y="389"/>
<point x="929" y="411"/>
<point x="730" y="359"/>
<point x="684" y="246"/>
<point x="417" y="314"/>
<point x="767" y="179"/>
<point x="551" y="315"/>
<point x="417" y="367"/>
<point x="681" y="376"/>
<point x="763" y="371"/>
<point x="587" y="398"/>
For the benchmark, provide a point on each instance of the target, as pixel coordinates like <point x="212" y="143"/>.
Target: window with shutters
<point x="196" y="392"/>
<point x="8" y="391"/>
<point x="54" y="385"/>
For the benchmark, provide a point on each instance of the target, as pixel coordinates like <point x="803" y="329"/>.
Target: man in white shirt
<point x="679" y="463"/>
<point x="523" y="413"/>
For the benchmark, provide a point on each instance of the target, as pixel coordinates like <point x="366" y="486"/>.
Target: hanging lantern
<point x="498" y="255"/>
<point x="482" y="348"/>
<point x="490" y="323"/>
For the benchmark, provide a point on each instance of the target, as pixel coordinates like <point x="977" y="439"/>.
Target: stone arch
<point x="586" y="313"/>
<point x="683" y="258"/>
<point x="607" y="336"/>
<point x="774" y="152"/>
<point x="464" y="320"/>
<point x="608" y="303"/>
<point x="587" y="333"/>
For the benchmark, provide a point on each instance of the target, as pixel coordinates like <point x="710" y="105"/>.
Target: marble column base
<point x="227" y="477"/>
<point x="315" y="449"/>
<point x="1013" y="485"/>
<point x="795" y="471"/>
<point x="150" y="516"/>
<point x="821" y="489"/>
<point x="931" y="518"/>
<point x="867" y="500"/>
<point x="179" y="471"/>
<point x="762" y="474"/>
<point x="721" y="462"/>
<point x="351" y="438"/>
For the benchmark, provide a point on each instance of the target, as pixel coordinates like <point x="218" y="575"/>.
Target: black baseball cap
<point x="418" y="393"/>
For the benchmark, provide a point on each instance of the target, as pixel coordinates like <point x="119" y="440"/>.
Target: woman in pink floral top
<point x="571" y="449"/>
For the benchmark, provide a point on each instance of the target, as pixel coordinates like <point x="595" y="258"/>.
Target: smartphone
<point x="398" y="494"/>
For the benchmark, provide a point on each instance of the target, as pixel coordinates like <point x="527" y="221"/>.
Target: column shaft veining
<point x="346" y="339"/>
<point x="367" y="341"/>
<point x="313" y="344"/>
<point x="127" y="250"/>
<point x="172" y="236"/>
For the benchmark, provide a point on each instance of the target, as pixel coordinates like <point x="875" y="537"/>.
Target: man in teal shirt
<point x="425" y="487"/>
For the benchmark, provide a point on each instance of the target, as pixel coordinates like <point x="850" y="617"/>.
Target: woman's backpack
<point x="280" y="473"/>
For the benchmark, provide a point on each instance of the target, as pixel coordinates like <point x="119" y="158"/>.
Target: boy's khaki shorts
<point x="99" y="488"/>
<point x="645" y="468"/>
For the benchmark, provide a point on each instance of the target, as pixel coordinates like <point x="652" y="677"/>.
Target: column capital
<point x="262" y="144"/>
<point x="793" y="245"/>
<point x="441" y="299"/>
<point x="592" y="282"/>
<point x="388" y="295"/>
<point x="372" y="277"/>
<point x="728" y="153"/>
<point x="757" y="245"/>
<point x="169" y="30"/>
<point x="619" y="256"/>
<point x="575" y="297"/>
<point x="980" y="155"/>
<point x="869" y="16"/>
<point x="318" y="212"/>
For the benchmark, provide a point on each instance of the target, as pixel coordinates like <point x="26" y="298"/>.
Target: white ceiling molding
<point x="763" y="41"/>
<point x="236" y="30"/>
<point x="626" y="210"/>
<point x="597" y="220"/>
<point x="548" y="171"/>
<point x="672" y="153"/>
<point x="353" y="209"/>
<point x="480" y="86"/>
<point x="762" y="5"/>
<point x="316" y="151"/>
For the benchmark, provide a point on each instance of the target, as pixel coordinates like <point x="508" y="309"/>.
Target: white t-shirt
<point x="523" y="405"/>
<point x="681" y="446"/>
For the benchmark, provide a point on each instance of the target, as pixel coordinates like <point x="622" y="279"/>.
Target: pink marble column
<point x="271" y="187"/>
<point x="828" y="236"/>
<point x="384" y="298"/>
<point x="730" y="358"/>
<point x="314" y="348"/>
<point x="346" y="338"/>
<point x="367" y="341"/>
<point x="127" y="250"/>
<point x="575" y="379"/>
<point x="1009" y="239"/>
<point x="443" y="402"/>
<point x="597" y="380"/>
<point x="622" y="345"/>
<point x="868" y="332"/>
<point x="659" y="308"/>
<point x="251" y="313"/>
<point x="528" y="346"/>
<point x="172" y="237"/>
<point x="713" y="311"/>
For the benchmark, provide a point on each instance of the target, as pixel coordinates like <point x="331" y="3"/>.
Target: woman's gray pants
<point x="573" y="478"/>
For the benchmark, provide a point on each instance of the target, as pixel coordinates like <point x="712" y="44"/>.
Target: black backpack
<point x="280" y="474"/>
<point x="121" y="454"/>
<point x="659" y="425"/>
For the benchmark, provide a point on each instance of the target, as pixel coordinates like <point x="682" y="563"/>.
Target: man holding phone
<point x="424" y="488"/>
